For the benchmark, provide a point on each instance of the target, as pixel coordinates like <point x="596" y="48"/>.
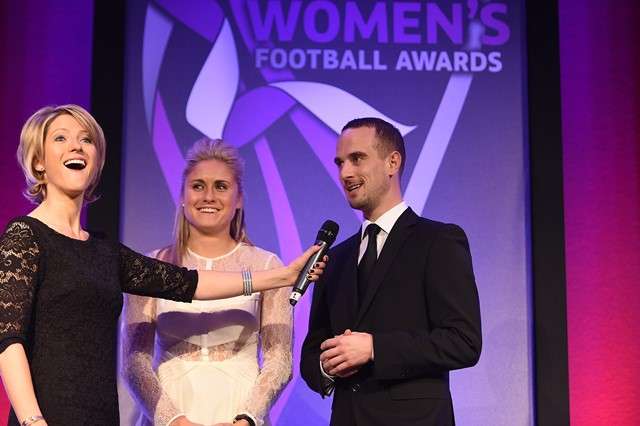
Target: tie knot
<point x="372" y="230"/>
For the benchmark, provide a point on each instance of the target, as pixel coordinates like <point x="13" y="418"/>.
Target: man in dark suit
<point x="397" y="307"/>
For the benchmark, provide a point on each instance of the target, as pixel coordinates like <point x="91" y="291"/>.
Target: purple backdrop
<point x="279" y="79"/>
<point x="601" y="129"/>
<point x="47" y="59"/>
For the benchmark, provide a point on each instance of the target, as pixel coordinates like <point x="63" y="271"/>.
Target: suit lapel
<point x="399" y="233"/>
<point x="347" y="288"/>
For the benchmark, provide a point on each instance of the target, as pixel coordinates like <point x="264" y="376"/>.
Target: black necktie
<point x="368" y="261"/>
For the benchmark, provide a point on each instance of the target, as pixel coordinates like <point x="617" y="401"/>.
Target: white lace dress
<point x="200" y="359"/>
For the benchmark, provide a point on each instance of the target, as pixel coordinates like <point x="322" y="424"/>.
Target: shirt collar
<point x="387" y="220"/>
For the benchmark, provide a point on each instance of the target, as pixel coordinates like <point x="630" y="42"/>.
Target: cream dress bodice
<point x="200" y="359"/>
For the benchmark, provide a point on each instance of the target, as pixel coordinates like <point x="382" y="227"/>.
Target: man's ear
<point x="394" y="163"/>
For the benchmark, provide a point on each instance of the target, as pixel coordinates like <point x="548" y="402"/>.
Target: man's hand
<point x="343" y="355"/>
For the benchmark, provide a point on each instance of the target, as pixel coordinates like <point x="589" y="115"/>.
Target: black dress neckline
<point x="54" y="232"/>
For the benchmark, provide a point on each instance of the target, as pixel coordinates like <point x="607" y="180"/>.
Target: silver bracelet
<point x="31" y="420"/>
<point x="247" y="282"/>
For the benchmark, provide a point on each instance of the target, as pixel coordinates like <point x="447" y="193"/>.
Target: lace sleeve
<point x="144" y="276"/>
<point x="137" y="370"/>
<point x="19" y="258"/>
<point x="275" y="334"/>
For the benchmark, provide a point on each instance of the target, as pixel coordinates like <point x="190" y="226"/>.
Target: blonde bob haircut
<point x="31" y="148"/>
<point x="203" y="150"/>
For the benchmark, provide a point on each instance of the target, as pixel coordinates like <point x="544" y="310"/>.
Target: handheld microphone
<point x="326" y="236"/>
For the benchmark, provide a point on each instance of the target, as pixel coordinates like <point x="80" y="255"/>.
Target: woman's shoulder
<point x="161" y="253"/>
<point x="22" y="234"/>
<point x="260" y="257"/>
<point x="24" y="227"/>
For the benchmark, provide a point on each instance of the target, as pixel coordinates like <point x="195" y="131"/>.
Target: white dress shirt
<point x="386" y="223"/>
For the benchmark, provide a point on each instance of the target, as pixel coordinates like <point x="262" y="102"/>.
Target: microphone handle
<point x="302" y="282"/>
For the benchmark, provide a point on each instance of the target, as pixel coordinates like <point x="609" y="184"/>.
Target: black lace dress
<point x="61" y="298"/>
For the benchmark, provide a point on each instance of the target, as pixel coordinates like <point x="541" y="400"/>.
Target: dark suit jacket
<point x="421" y="306"/>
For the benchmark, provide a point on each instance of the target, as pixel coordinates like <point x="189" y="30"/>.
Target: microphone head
<point x="328" y="232"/>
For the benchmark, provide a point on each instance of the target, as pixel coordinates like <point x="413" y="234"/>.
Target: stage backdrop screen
<point x="279" y="79"/>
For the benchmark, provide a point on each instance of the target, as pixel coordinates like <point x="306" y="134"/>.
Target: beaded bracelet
<point x="247" y="282"/>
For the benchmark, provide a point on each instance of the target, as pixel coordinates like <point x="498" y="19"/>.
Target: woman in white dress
<point x="197" y="364"/>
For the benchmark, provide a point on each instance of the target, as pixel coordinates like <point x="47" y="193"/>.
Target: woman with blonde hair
<point x="61" y="287"/>
<point x="203" y="367"/>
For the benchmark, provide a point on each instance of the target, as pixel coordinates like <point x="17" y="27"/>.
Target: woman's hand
<point x="295" y="267"/>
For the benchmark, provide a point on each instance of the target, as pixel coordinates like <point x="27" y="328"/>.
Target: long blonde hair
<point x="203" y="150"/>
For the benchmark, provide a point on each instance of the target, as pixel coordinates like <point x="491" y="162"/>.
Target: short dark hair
<point x="389" y="137"/>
